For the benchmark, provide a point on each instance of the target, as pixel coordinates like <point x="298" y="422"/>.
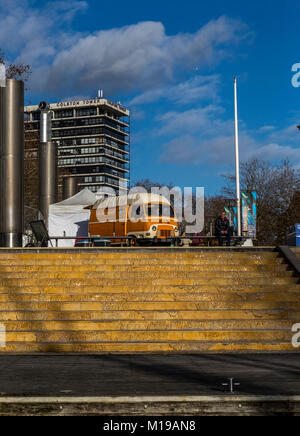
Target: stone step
<point x="139" y="253"/>
<point x="26" y="269"/>
<point x="150" y="297"/>
<point x="148" y="274"/>
<point x="131" y="301"/>
<point x="149" y="347"/>
<point x="71" y="336"/>
<point x="182" y="281"/>
<point x="109" y="325"/>
<point x="93" y="264"/>
<point x="150" y="315"/>
<point x="83" y="289"/>
<point x="124" y="260"/>
<point x="152" y="306"/>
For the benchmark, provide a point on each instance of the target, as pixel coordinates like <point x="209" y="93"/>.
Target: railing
<point x="91" y="239"/>
<point x="176" y="240"/>
<point x="290" y="257"/>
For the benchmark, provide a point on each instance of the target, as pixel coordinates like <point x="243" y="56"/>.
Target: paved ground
<point x="146" y="375"/>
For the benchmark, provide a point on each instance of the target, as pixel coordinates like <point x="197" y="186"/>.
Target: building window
<point x="95" y="159"/>
<point x="65" y="113"/>
<point x="87" y="131"/>
<point x="86" y="112"/>
<point x="36" y="116"/>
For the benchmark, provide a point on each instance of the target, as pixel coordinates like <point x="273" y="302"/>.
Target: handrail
<point x="290" y="257"/>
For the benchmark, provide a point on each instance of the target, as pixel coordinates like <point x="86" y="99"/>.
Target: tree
<point x="277" y="187"/>
<point x="31" y="176"/>
<point x="294" y="209"/>
<point x="292" y="215"/>
<point x="213" y="206"/>
<point x="15" y="71"/>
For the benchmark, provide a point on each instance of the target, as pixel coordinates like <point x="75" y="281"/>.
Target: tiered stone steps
<point x="163" y="300"/>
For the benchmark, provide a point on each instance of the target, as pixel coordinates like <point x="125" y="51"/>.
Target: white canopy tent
<point x="70" y="218"/>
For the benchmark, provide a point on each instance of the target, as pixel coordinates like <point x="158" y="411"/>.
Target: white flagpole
<point x="237" y="162"/>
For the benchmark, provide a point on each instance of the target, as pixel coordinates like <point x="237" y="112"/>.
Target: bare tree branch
<point x="277" y="188"/>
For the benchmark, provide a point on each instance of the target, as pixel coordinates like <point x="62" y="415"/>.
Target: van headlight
<point x="176" y="229"/>
<point x="154" y="228"/>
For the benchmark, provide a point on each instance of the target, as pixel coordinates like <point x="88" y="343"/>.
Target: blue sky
<point x="173" y="64"/>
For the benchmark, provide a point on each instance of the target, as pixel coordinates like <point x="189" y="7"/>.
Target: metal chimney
<point x="12" y="163"/>
<point x="47" y="163"/>
<point x="70" y="187"/>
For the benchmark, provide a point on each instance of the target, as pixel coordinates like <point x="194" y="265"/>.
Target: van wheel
<point x="133" y="242"/>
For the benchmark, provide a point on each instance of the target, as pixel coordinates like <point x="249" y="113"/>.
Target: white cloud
<point x="183" y="150"/>
<point x="276" y="152"/>
<point x="192" y="150"/>
<point x="131" y="58"/>
<point x="75" y="98"/>
<point x="33" y="34"/>
<point x="288" y="135"/>
<point x="266" y="129"/>
<point x="203" y="119"/>
<point x="203" y="138"/>
<point x="141" y="56"/>
<point x="195" y="89"/>
<point x="137" y="114"/>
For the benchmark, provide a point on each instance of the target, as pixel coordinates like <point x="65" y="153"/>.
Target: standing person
<point x="223" y="229"/>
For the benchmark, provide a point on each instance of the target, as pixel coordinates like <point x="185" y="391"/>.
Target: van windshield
<point x="155" y="209"/>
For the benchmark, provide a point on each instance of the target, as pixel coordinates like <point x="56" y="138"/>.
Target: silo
<point x="70" y="187"/>
<point x="11" y="163"/>
<point x="47" y="163"/>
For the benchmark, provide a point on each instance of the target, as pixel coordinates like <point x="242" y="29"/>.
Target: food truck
<point x="145" y="218"/>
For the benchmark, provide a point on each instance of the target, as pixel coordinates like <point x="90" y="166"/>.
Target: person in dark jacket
<point x="223" y="229"/>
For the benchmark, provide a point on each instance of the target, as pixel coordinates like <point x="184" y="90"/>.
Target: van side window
<point x="136" y="213"/>
<point x="155" y="209"/>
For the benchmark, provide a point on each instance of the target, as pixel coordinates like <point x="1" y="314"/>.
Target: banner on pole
<point x="231" y="213"/>
<point x="249" y="214"/>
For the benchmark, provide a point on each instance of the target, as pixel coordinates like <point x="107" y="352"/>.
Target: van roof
<point x="127" y="200"/>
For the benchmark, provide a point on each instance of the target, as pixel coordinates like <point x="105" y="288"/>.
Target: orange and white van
<point x="145" y="217"/>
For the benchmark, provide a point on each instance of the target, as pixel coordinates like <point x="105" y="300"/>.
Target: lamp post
<point x="237" y="162"/>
